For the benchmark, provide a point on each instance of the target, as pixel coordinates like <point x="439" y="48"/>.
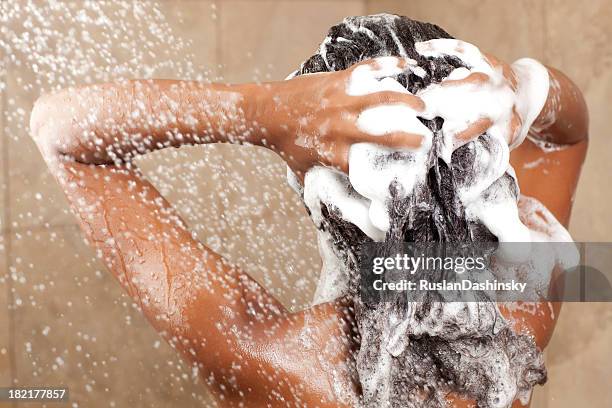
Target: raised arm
<point x="215" y="314"/>
<point x="548" y="163"/>
<point x="564" y="120"/>
<point x="110" y="123"/>
<point x="308" y="120"/>
<point x="192" y="296"/>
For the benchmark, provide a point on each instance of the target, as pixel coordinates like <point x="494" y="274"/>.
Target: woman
<point x="249" y="348"/>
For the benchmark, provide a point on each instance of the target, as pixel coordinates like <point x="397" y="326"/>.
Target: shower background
<point x="65" y="321"/>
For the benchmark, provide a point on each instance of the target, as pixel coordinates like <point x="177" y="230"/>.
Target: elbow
<point x="36" y="119"/>
<point x="42" y="127"/>
<point x="572" y="113"/>
<point x="582" y="118"/>
<point x="564" y="118"/>
<point x="52" y="126"/>
<point x="573" y="116"/>
<point x="573" y="121"/>
<point x="58" y="123"/>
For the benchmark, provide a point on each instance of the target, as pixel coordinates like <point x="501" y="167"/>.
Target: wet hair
<point x="362" y="38"/>
<point x="439" y="357"/>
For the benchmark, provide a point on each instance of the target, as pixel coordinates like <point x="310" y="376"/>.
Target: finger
<point x="334" y="155"/>
<point x="506" y="69"/>
<point x="474" y="78"/>
<point x="391" y="97"/>
<point x="493" y="60"/>
<point x="377" y="75"/>
<point x="472" y="131"/>
<point x="388" y="118"/>
<point x="394" y="140"/>
<point x="382" y="67"/>
<point x="466" y="52"/>
<point x="516" y="127"/>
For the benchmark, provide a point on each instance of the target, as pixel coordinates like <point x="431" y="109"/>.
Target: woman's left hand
<point x="487" y="95"/>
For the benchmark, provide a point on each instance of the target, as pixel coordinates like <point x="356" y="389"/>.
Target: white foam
<point x="464" y="104"/>
<point x="369" y="78"/>
<point x="501" y="217"/>
<point x="362" y="197"/>
<point x="333" y="188"/>
<point x="371" y="173"/>
<point x="532" y="92"/>
<point x="333" y="281"/>
<point x="546" y="228"/>
<point x="384" y="119"/>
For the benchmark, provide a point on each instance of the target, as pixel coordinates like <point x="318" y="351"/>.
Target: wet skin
<point x="249" y="348"/>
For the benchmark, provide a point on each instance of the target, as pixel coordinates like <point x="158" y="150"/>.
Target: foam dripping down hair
<point x="412" y="354"/>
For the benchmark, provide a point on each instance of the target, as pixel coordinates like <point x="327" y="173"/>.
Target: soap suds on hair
<point x="413" y="353"/>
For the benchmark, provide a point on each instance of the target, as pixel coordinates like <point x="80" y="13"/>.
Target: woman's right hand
<point x="314" y="119"/>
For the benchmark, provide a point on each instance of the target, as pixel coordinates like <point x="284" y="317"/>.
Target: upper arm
<point x="564" y="119"/>
<point x="209" y="310"/>
<point x="550" y="174"/>
<point x="188" y="292"/>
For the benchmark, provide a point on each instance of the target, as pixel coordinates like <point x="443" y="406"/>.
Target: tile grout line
<point x="7" y="236"/>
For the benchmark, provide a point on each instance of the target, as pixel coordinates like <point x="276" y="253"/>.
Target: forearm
<point x="139" y="237"/>
<point x="564" y="118"/>
<point x="113" y="122"/>
<point x="189" y="293"/>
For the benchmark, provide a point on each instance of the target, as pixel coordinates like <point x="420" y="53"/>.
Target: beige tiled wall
<point x="5" y="317"/>
<point x="71" y="321"/>
<point x="578" y="41"/>
<point x="278" y="36"/>
<point x="5" y="320"/>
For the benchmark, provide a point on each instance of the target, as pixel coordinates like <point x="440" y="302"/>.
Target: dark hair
<point x="361" y="38"/>
<point x="434" y="363"/>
